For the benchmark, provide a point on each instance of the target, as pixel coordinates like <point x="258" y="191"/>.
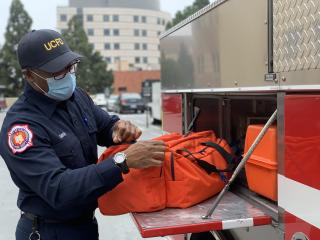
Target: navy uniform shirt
<point x="50" y="149"/>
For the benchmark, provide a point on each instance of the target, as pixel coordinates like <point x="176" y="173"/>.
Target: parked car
<point x="130" y="102"/>
<point x="100" y="100"/>
<point x="111" y="102"/>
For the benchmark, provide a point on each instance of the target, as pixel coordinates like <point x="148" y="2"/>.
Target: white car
<point x="100" y="100"/>
<point x="111" y="102"/>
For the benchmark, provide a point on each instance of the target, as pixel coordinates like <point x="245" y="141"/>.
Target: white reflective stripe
<point x="300" y="200"/>
<point x="237" y="223"/>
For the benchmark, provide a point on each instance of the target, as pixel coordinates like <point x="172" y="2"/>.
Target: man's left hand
<point x="125" y="131"/>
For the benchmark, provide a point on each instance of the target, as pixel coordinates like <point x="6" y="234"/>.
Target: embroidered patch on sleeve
<point x="20" y="138"/>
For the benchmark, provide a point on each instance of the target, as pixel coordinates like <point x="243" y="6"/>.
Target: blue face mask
<point x="61" y="89"/>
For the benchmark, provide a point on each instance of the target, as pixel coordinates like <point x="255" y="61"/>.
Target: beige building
<point x="125" y="32"/>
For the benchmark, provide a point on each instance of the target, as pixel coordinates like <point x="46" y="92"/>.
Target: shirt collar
<point x="44" y="103"/>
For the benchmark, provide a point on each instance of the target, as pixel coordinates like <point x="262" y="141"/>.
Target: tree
<point x="92" y="74"/>
<point x="19" y="23"/>
<point x="189" y="10"/>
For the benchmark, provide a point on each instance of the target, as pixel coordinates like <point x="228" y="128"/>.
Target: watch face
<point x="119" y="158"/>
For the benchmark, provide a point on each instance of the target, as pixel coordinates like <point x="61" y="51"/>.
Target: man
<point x="49" y="142"/>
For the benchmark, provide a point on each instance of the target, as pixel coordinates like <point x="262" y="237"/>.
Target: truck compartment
<point x="230" y="116"/>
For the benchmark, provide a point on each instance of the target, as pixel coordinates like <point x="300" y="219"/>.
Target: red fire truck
<point x="238" y="61"/>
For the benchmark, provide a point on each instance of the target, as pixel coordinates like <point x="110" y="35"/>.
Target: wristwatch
<point x="120" y="160"/>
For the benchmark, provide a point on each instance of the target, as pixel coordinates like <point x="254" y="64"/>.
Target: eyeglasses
<point x="70" y="69"/>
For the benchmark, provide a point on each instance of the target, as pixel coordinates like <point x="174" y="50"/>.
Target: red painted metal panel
<point x="193" y="228"/>
<point x="165" y="231"/>
<point x="172" y="112"/>
<point x="295" y="225"/>
<point x="302" y="139"/>
<point x="262" y="220"/>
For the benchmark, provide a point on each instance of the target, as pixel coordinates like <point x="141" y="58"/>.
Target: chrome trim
<point x="198" y="14"/>
<point x="280" y="151"/>
<point x="300" y="87"/>
<point x="280" y="132"/>
<point x="246" y="89"/>
<point x="185" y="113"/>
<point x="220" y="90"/>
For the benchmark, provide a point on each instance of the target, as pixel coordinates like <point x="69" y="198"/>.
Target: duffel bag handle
<point x="208" y="167"/>
<point x="227" y="156"/>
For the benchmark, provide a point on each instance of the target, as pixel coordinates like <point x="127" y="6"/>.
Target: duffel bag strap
<point x="227" y="156"/>
<point x="208" y="167"/>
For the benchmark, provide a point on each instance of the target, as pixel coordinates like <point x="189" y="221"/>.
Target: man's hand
<point x="125" y="131"/>
<point x="145" y="154"/>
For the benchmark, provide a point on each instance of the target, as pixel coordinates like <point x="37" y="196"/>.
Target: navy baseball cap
<point x="45" y="50"/>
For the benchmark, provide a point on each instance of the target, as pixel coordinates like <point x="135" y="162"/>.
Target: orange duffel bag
<point x="143" y="190"/>
<point x="194" y="169"/>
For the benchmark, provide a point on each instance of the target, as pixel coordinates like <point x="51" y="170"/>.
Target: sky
<point x="43" y="13"/>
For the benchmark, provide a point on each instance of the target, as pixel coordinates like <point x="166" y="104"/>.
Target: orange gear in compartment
<point x="261" y="168"/>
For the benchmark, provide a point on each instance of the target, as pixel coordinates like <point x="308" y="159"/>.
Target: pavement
<point x="110" y="228"/>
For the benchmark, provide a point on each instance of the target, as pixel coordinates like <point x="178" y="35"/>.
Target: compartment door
<point x="299" y="180"/>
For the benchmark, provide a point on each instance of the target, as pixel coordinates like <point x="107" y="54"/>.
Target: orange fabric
<point x="143" y="190"/>
<point x="179" y="183"/>
<point x="192" y="184"/>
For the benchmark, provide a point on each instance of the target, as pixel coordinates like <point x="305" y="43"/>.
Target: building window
<point x="136" y="32"/>
<point x="107" y="46"/>
<point x="116" y="46"/>
<point x="108" y="59"/>
<point x="116" y="32"/>
<point x="144" y="19"/>
<point x="163" y="22"/>
<point x="106" y="18"/>
<point x="89" y="18"/>
<point x="115" y="18"/>
<point x="137" y="46"/>
<point x="159" y="21"/>
<point x="135" y="19"/>
<point x="145" y="60"/>
<point x="106" y="32"/>
<point x="117" y="59"/>
<point x="63" y="17"/>
<point x="145" y="46"/>
<point x="137" y="60"/>
<point x="79" y="11"/>
<point x="122" y="89"/>
<point x="159" y="33"/>
<point x="90" y="32"/>
<point x="144" y="33"/>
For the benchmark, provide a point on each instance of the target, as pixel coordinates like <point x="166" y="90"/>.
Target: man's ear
<point x="27" y="74"/>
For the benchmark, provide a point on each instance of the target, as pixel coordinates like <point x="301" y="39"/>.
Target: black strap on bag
<point x="227" y="156"/>
<point x="208" y="167"/>
<point x="172" y="167"/>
